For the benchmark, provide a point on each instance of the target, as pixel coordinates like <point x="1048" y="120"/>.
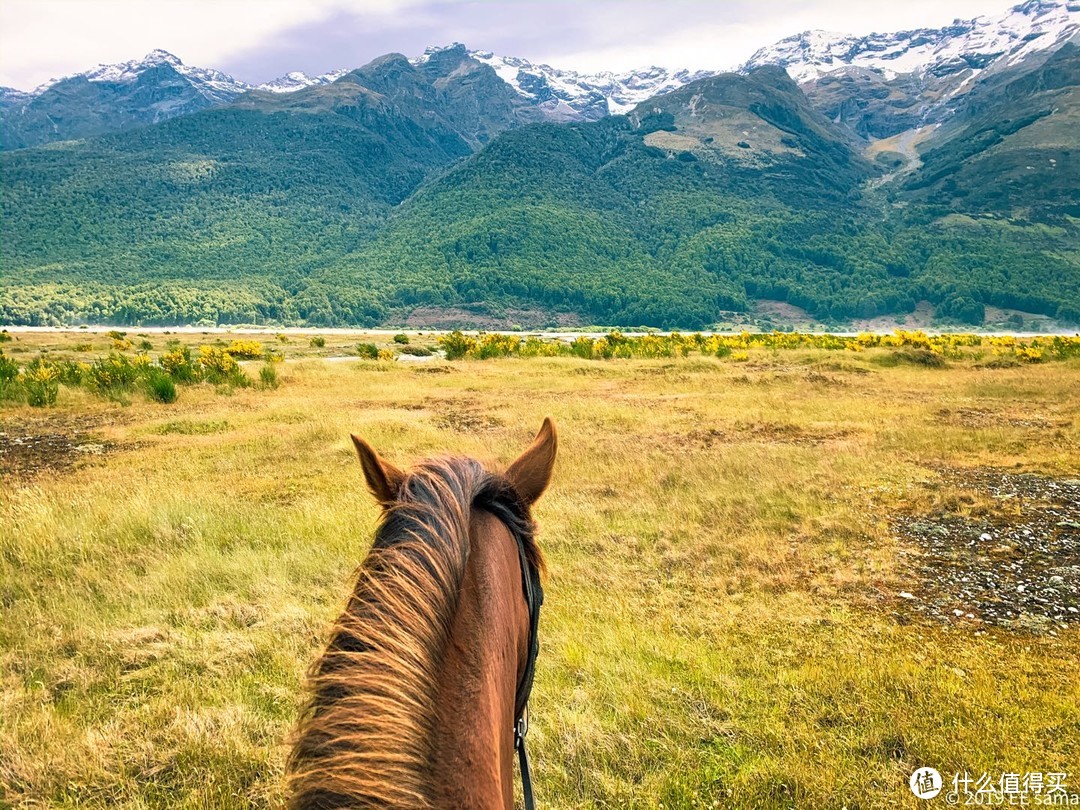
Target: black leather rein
<point x="534" y="598"/>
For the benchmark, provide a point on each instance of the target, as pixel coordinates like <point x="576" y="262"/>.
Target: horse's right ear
<point x="531" y="473"/>
<point x="383" y="479"/>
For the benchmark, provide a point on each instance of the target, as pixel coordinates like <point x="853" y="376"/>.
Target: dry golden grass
<point x="719" y="627"/>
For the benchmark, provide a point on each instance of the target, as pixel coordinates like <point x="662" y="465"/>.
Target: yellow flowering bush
<point x="42" y="383"/>
<point x="246" y="349"/>
<point x="617" y="345"/>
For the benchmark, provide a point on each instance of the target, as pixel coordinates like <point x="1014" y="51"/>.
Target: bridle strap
<point x="523" y="760"/>
<point x="534" y="598"/>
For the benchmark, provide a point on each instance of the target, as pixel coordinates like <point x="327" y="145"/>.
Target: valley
<point x="852" y="179"/>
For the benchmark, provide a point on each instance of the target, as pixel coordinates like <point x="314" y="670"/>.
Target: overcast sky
<point x="258" y="40"/>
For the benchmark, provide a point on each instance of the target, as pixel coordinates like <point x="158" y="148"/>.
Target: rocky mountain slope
<point x="879" y="85"/>
<point x="567" y="95"/>
<point x="883" y="84"/>
<point x="112" y="98"/>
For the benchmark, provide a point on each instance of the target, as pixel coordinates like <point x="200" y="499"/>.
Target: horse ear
<point x="531" y="473"/>
<point x="383" y="479"/>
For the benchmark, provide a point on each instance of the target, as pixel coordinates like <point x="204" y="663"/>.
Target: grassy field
<point x="724" y="623"/>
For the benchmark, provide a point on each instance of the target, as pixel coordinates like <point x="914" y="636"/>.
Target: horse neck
<point x="474" y="744"/>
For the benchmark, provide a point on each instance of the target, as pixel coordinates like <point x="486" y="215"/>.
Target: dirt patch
<point x="762" y="433"/>
<point x="979" y="418"/>
<point x="51" y="443"/>
<point x="840" y="366"/>
<point x="191" y="427"/>
<point x="1003" y="550"/>
<point x="462" y="417"/>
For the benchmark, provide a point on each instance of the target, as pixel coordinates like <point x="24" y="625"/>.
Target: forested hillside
<point x="592" y="218"/>
<point x="425" y="185"/>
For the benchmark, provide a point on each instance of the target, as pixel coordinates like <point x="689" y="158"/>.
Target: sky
<point x="259" y="40"/>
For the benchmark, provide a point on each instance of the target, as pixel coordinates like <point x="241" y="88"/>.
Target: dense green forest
<point x="589" y="216"/>
<point x="338" y="207"/>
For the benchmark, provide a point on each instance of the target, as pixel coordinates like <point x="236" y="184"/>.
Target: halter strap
<point x="534" y="598"/>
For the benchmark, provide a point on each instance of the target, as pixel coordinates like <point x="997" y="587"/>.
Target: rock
<point x="985" y="536"/>
<point x="906" y="595"/>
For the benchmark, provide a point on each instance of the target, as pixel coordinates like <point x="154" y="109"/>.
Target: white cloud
<point x="43" y="39"/>
<point x="738" y="30"/>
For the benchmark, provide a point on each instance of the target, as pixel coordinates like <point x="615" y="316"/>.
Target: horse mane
<point x="366" y="737"/>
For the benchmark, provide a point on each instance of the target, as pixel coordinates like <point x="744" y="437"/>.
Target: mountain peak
<point x="159" y="57"/>
<point x="454" y="49"/>
<point x="974" y="44"/>
<point x="567" y="95"/>
<point x="298" y="80"/>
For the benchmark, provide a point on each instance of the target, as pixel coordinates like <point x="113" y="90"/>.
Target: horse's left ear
<point x="383" y="478"/>
<point x="531" y="473"/>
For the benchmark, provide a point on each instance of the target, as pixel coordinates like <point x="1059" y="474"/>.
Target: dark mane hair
<point x="365" y="739"/>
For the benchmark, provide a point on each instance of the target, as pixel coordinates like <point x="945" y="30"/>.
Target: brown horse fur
<point x="412" y="701"/>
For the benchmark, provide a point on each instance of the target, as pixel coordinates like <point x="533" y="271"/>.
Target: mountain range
<point x="851" y="177"/>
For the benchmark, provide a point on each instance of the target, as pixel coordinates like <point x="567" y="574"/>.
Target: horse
<point x="420" y="697"/>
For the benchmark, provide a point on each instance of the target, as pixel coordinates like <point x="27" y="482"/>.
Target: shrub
<point x="456" y="345"/>
<point x="216" y="362"/>
<point x="221" y="367"/>
<point x="84" y="347"/>
<point x="146" y="345"/>
<point x="417" y="351"/>
<point x="73" y="374"/>
<point x="178" y="365"/>
<point x="9" y="377"/>
<point x="246" y="349"/>
<point x="368" y="351"/>
<point x="401" y="338"/>
<point x="5" y="336"/>
<point x="920" y="357"/>
<point x="268" y="376"/>
<point x="160" y="386"/>
<point x="115" y="375"/>
<point x="318" y="342"/>
<point x="582" y="347"/>
<point x="42" y="384"/>
<point x="115" y="335"/>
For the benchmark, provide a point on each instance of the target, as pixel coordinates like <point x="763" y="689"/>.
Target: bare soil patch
<point x="1003" y="549"/>
<point x="978" y="418"/>
<point x="762" y="433"/>
<point x="51" y="443"/>
<point x="461" y="417"/>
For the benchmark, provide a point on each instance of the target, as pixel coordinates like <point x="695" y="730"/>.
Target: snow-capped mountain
<point x="880" y="85"/>
<point x="110" y="98"/>
<point x="566" y="95"/>
<point x="215" y="86"/>
<point x="966" y="44"/>
<point x="297" y="80"/>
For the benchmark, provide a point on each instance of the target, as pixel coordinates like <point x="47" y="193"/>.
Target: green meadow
<point x="724" y="623"/>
